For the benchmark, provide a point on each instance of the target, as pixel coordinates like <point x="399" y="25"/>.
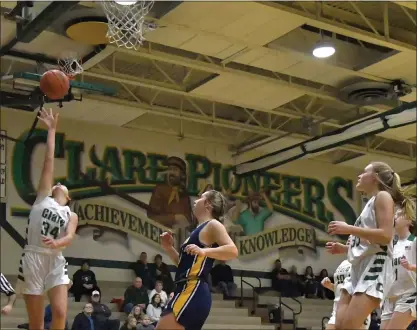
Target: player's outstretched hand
<point x="49" y="118"/>
<point x="335" y="248"/>
<point x="194" y="250"/>
<point x="167" y="240"/>
<point x="326" y="282"/>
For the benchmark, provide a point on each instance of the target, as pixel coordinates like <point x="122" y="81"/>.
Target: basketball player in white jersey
<point x="51" y="227"/>
<point x="400" y="306"/>
<point x="341" y="273"/>
<point x="370" y="250"/>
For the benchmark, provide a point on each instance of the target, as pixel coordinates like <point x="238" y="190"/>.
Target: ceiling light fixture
<point x="323" y="49"/>
<point x="125" y="3"/>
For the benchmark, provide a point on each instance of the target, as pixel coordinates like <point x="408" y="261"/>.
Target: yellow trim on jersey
<point x="197" y="266"/>
<point x="184" y="297"/>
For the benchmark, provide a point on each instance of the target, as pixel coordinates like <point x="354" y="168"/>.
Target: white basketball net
<point x="126" y="23"/>
<point x="69" y="64"/>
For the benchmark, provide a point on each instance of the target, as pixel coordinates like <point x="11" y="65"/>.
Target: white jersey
<point x="342" y="272"/>
<point x="360" y="248"/>
<point x="404" y="280"/>
<point x="46" y="219"/>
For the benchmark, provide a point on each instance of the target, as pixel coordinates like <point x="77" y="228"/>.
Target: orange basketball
<point x="55" y="84"/>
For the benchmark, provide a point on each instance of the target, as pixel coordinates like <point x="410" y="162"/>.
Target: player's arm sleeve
<point x="6" y="287"/>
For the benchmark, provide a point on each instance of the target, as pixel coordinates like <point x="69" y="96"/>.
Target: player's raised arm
<point x="227" y="250"/>
<point x="47" y="175"/>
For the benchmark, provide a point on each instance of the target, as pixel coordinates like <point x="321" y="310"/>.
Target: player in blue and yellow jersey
<point x="190" y="305"/>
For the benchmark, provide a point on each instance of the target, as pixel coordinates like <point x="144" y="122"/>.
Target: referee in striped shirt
<point x="7" y="289"/>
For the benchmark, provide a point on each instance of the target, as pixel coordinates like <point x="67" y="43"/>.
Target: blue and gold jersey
<point x="191" y="266"/>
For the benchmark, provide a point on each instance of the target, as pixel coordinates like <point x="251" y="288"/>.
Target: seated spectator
<point x="102" y="313"/>
<point x="223" y="279"/>
<point x="297" y="284"/>
<point x="84" y="282"/>
<point x="130" y="324"/>
<point x="310" y="283"/>
<point x="7" y="289"/>
<point x="145" y="324"/>
<point x="136" y="294"/>
<point x="85" y="320"/>
<point x="323" y="292"/>
<point x="159" y="289"/>
<point x="154" y="309"/>
<point x="137" y="313"/>
<point x="374" y="321"/>
<point x="142" y="269"/>
<point x="281" y="280"/>
<point x="160" y="272"/>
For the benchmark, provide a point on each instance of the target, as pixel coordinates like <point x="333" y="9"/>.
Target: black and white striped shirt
<point x="5" y="286"/>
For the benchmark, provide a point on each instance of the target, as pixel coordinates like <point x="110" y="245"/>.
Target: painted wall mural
<point x="172" y="182"/>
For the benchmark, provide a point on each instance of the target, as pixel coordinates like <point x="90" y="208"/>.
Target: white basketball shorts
<point x="402" y="304"/>
<point x="372" y="276"/>
<point x="40" y="272"/>
<point x="334" y="314"/>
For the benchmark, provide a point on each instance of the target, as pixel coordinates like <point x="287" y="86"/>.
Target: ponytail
<point x="408" y="204"/>
<point x="404" y="198"/>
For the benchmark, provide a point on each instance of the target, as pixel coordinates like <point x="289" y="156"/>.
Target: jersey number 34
<point x="49" y="231"/>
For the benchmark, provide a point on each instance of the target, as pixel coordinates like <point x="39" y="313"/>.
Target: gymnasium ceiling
<point x="238" y="73"/>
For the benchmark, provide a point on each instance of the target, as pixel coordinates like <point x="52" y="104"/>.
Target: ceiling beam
<point x="209" y="120"/>
<point x="407" y="4"/>
<point x="280" y="111"/>
<point x="219" y="69"/>
<point x="334" y="26"/>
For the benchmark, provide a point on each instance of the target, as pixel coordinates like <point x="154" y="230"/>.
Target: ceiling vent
<point x="368" y="93"/>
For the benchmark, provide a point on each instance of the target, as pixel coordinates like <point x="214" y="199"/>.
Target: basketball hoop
<point x="126" y="22"/>
<point x="70" y="64"/>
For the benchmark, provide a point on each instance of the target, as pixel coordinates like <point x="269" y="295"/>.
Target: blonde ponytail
<point x="403" y="197"/>
<point x="409" y="204"/>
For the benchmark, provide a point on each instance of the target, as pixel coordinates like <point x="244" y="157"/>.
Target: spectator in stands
<point x="102" y="313"/>
<point x="142" y="269"/>
<point x="159" y="289"/>
<point x="84" y="282"/>
<point x="281" y="280"/>
<point x="323" y="292"/>
<point x="374" y="321"/>
<point x="160" y="272"/>
<point x="7" y="289"/>
<point x="136" y="294"/>
<point x="223" y="279"/>
<point x="297" y="284"/>
<point x="85" y="320"/>
<point x="130" y="324"/>
<point x="154" y="309"/>
<point x="137" y="313"/>
<point x="310" y="283"/>
<point x="145" y="324"/>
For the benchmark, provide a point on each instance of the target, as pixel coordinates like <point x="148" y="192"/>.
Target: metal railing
<point x="254" y="289"/>
<point x="291" y="309"/>
<point x="325" y="318"/>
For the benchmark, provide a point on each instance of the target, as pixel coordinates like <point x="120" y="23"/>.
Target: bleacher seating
<point x="224" y="313"/>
